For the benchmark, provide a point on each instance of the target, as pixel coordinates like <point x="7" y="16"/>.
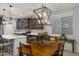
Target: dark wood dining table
<point x="45" y="49"/>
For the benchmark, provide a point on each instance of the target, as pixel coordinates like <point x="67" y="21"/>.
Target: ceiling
<point x="26" y="9"/>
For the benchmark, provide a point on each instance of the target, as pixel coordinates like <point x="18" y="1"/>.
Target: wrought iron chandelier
<point x="43" y="14"/>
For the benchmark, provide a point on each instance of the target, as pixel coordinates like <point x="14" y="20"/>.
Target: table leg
<point x="73" y="47"/>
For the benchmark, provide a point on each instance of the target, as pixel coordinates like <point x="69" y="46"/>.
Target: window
<point x="62" y="25"/>
<point x="66" y="25"/>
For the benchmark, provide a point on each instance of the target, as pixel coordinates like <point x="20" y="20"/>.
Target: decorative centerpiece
<point x="63" y="37"/>
<point x="44" y="40"/>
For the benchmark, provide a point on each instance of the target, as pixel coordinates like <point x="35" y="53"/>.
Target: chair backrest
<point x="54" y="38"/>
<point x="42" y="33"/>
<point x="21" y="46"/>
<point x="61" y="48"/>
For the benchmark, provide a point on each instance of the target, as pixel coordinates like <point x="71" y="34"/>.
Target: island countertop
<point x="7" y="36"/>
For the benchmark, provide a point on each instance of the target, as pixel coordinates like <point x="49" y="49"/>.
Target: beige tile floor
<point x="69" y="53"/>
<point x="66" y="53"/>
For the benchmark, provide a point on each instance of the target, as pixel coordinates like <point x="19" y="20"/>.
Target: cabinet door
<point x="22" y="24"/>
<point x="33" y="24"/>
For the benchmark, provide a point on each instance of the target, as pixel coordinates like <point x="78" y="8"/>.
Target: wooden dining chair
<point x="24" y="49"/>
<point x="60" y="50"/>
<point x="31" y="38"/>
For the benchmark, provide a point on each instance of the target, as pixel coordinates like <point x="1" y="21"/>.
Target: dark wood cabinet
<point x="22" y="23"/>
<point x="30" y="23"/>
<point x="33" y="24"/>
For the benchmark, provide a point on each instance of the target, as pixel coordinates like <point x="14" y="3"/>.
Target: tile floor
<point x="69" y="53"/>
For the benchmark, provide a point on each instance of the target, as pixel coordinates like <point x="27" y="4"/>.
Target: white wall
<point x="48" y="28"/>
<point x="9" y="28"/>
<point x="76" y="27"/>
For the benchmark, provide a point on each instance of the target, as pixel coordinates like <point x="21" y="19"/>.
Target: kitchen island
<point x="16" y="39"/>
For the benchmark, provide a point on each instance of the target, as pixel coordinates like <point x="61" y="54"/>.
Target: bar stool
<point x="4" y="45"/>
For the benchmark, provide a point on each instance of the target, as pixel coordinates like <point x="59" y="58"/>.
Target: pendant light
<point x="3" y="21"/>
<point x="10" y="18"/>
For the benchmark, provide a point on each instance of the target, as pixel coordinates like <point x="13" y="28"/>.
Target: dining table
<point x="43" y="49"/>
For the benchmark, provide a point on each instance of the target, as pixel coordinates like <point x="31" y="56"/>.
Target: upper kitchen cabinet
<point x="28" y="23"/>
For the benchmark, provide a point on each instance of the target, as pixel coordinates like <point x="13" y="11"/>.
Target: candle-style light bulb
<point x="40" y="14"/>
<point x="44" y="14"/>
<point x="39" y="21"/>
